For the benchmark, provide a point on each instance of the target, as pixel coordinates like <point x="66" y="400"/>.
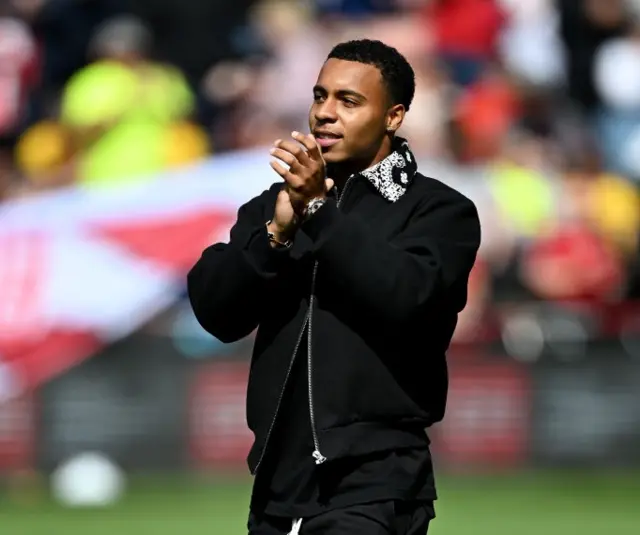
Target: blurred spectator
<point x="585" y="254"/>
<point x="426" y="125"/>
<point x="18" y="73"/>
<point x="617" y="81"/>
<point x="572" y="263"/>
<point x="522" y="186"/>
<point x="43" y="153"/>
<point x="185" y="143"/>
<point x="121" y="108"/>
<point x="604" y="202"/>
<point x="584" y="26"/>
<point x="485" y="113"/>
<point x="530" y="45"/>
<point x="466" y="35"/>
<point x="617" y="72"/>
<point x="296" y="47"/>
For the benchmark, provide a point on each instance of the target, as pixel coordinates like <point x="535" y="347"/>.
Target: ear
<point x="395" y="116"/>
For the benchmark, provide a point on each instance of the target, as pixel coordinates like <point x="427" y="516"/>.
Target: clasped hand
<point x="306" y="177"/>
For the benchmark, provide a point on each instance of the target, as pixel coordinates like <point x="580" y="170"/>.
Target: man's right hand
<point x="284" y="223"/>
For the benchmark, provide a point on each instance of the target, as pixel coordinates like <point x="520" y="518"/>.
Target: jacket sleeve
<point x="427" y="264"/>
<point x="227" y="287"/>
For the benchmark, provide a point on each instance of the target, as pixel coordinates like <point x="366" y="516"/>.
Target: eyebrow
<point x="341" y="92"/>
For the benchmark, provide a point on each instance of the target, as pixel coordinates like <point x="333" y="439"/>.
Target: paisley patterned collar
<point x="392" y="176"/>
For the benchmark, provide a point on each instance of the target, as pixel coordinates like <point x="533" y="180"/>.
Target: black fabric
<point x="290" y="484"/>
<point x="391" y="280"/>
<point x="382" y="518"/>
<point x="284" y="484"/>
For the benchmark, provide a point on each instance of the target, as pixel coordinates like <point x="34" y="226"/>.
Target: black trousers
<point x="384" y="518"/>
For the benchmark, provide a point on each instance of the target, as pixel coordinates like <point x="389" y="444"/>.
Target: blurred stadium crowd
<point x="530" y="107"/>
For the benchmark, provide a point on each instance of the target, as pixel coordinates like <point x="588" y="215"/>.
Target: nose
<point x="326" y="111"/>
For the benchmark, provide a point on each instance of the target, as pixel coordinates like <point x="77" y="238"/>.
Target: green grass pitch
<point x="526" y="504"/>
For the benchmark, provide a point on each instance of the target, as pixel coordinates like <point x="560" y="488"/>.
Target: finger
<point x="278" y="168"/>
<point x="292" y="181"/>
<point x="328" y="184"/>
<point x="284" y="156"/>
<point x="308" y="142"/>
<point x="295" y="149"/>
<point x="315" y="152"/>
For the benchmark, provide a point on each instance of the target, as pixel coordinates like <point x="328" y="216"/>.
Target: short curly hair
<point x="396" y="71"/>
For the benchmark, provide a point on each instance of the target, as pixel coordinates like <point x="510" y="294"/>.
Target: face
<point x="351" y="116"/>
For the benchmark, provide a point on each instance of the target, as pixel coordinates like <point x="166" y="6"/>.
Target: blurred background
<point x="131" y="131"/>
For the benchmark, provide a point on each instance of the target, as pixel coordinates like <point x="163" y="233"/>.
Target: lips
<point x="327" y="139"/>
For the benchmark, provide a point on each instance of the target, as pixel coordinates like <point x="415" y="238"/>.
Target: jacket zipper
<point x="317" y="455"/>
<point x="284" y="386"/>
<point x="319" y="458"/>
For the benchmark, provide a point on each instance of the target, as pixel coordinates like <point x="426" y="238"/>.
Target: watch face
<point x="314" y="206"/>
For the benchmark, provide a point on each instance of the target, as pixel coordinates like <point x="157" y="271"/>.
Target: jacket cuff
<point x="263" y="258"/>
<point x="321" y="224"/>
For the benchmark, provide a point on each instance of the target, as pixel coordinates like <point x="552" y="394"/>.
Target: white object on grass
<point x="88" y="480"/>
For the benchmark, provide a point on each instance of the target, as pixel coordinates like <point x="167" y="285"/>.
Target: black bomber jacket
<point x="375" y="279"/>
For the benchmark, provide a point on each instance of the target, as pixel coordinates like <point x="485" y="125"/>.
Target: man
<point x="354" y="270"/>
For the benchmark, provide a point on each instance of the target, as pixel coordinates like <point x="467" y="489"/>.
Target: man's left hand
<point x="305" y="177"/>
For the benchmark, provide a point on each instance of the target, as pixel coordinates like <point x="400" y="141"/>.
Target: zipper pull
<point x="319" y="457"/>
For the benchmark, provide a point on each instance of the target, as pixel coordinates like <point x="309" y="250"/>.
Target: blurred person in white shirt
<point x="617" y="82"/>
<point x="530" y="43"/>
<point x="296" y="45"/>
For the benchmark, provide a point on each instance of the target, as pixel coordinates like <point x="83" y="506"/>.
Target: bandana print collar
<point x="391" y="177"/>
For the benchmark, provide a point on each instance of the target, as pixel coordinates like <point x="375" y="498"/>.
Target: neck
<point x="340" y="172"/>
